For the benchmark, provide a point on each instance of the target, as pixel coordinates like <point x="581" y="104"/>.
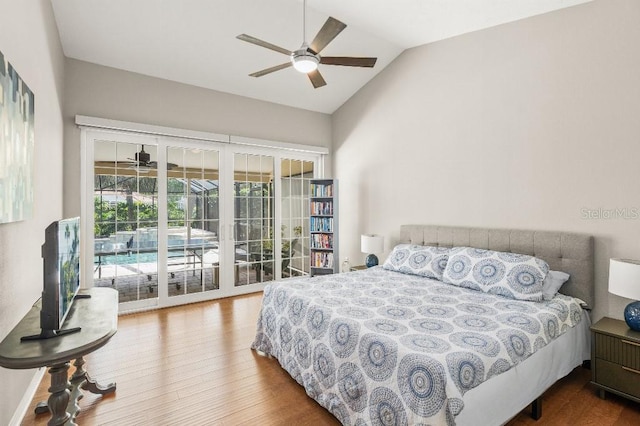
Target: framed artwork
<point x="16" y="145"/>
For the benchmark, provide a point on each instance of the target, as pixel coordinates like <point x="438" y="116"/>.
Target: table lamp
<point x="371" y="244"/>
<point x="624" y="280"/>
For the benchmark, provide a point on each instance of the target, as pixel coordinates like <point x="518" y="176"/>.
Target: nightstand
<point x="615" y="358"/>
<point x="358" y="268"/>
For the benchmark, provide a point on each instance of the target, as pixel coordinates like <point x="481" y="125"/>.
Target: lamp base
<point x="632" y="315"/>
<point x="372" y="260"/>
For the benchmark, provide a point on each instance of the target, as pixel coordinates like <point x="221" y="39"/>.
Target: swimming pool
<point x="126" y="258"/>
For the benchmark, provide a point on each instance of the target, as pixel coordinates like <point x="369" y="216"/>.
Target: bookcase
<point x="323" y="213"/>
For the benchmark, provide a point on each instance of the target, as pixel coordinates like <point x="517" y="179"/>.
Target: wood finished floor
<point x="191" y="365"/>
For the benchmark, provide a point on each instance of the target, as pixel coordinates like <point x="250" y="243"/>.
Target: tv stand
<point x="49" y="334"/>
<point x="82" y="296"/>
<point x="101" y="313"/>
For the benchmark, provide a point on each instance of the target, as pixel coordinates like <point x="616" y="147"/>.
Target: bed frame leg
<point x="536" y="408"/>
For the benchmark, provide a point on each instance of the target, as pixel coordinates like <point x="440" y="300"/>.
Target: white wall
<point x="99" y="91"/>
<point x="520" y="126"/>
<point x="29" y="40"/>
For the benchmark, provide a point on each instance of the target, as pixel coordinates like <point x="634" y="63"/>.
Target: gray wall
<point x="524" y="125"/>
<point x="29" y="40"/>
<point x="104" y="92"/>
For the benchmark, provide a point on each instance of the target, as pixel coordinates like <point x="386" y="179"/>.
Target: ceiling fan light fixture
<point x="140" y="168"/>
<point x="304" y="61"/>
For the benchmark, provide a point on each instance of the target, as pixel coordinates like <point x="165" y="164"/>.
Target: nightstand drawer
<point x="617" y="377"/>
<point x="618" y="350"/>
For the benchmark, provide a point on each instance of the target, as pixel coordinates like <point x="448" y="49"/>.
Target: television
<point x="61" y="276"/>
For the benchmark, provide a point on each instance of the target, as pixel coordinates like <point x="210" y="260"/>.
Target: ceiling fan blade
<point x="348" y="61"/>
<point x="154" y="165"/>
<point x="124" y="168"/>
<point x="119" y="163"/>
<point x="316" y="79"/>
<point x="328" y="32"/>
<point x="270" y="70"/>
<point x="257" y="41"/>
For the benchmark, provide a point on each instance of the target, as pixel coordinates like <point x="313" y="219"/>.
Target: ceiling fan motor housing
<point x="142" y="156"/>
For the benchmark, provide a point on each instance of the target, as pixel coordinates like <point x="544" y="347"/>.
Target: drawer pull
<point x="631" y="343"/>
<point x="630" y="369"/>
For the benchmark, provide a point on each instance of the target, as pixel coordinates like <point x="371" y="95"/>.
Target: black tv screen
<point x="61" y="257"/>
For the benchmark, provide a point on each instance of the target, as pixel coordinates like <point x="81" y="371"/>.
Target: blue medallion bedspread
<point x="381" y="347"/>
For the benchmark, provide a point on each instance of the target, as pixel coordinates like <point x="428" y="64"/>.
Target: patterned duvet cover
<point x="382" y="347"/>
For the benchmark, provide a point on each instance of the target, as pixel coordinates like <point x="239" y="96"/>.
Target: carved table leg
<point x="84" y="381"/>
<point x="77" y="380"/>
<point x="59" y="398"/>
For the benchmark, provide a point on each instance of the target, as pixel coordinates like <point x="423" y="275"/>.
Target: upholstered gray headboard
<point x="563" y="251"/>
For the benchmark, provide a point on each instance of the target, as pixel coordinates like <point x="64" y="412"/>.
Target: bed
<point x="385" y="347"/>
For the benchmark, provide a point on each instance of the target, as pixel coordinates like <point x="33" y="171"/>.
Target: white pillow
<point x="412" y="259"/>
<point x="552" y="283"/>
<point x="516" y="276"/>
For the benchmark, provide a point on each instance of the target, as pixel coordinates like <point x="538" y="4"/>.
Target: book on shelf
<point x="322" y="208"/>
<point x="321" y="224"/>
<point x="322" y="241"/>
<point x="321" y="190"/>
<point x="322" y="260"/>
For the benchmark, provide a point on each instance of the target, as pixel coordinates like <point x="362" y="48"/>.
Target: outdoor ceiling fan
<point x="142" y="162"/>
<point x="307" y="57"/>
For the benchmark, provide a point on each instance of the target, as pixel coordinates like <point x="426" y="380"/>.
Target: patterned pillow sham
<point x="425" y="261"/>
<point x="552" y="283"/>
<point x="516" y="276"/>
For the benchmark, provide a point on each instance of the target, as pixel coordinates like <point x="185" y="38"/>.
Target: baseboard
<point x="21" y="411"/>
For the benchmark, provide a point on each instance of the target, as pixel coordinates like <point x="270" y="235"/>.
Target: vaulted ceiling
<point x="194" y="41"/>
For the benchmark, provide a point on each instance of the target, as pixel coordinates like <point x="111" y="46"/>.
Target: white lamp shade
<point x="371" y="244"/>
<point x="624" y="278"/>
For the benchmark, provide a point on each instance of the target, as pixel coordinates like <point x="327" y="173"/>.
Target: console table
<point x="98" y="318"/>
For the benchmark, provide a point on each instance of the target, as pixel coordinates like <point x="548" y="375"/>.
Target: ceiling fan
<point x="307" y="57"/>
<point x="142" y="162"/>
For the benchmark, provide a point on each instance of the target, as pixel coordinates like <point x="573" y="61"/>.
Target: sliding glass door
<point x="125" y="213"/>
<point x="175" y="221"/>
<point x="193" y="220"/>
<point x="253" y="218"/>
<point x="295" y="175"/>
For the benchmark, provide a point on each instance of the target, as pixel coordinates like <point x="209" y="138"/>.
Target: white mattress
<point x="499" y="399"/>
